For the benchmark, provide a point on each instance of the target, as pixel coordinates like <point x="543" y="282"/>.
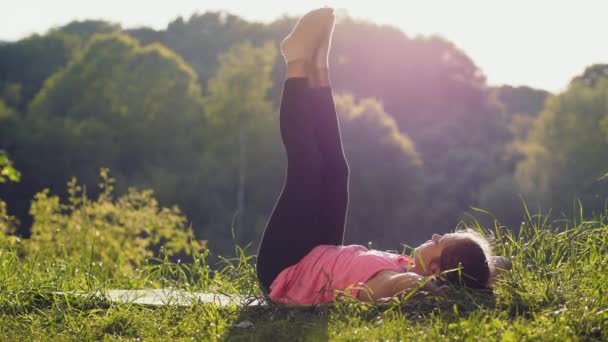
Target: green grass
<point x="556" y="291"/>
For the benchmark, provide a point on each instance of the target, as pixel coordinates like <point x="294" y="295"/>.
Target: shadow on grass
<point x="266" y="322"/>
<point x="280" y="323"/>
<point x="276" y="322"/>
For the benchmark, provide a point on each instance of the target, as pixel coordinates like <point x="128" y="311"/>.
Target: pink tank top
<point x="328" y="270"/>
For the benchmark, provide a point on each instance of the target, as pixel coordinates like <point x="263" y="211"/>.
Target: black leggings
<point x="311" y="209"/>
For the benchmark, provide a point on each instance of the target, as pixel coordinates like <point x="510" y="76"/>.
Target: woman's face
<point x="426" y="256"/>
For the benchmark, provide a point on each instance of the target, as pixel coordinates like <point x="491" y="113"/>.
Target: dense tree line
<point x="191" y="112"/>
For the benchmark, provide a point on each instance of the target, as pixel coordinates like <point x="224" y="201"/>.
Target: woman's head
<point x="464" y="251"/>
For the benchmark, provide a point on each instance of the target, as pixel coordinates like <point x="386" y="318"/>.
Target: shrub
<point x="8" y="224"/>
<point x="120" y="234"/>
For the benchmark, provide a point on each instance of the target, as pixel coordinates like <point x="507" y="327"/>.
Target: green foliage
<point x="385" y="175"/>
<point x="555" y="291"/>
<point x="438" y="97"/>
<point x="522" y="105"/>
<point x="502" y="195"/>
<point x="137" y="110"/>
<point x="521" y="100"/>
<point x="26" y="64"/>
<point x="203" y="37"/>
<point x="9" y="121"/>
<point x="87" y="28"/>
<point x="8" y="224"/>
<point x="8" y="227"/>
<point x="110" y="72"/>
<point x="10" y="94"/>
<point x="109" y="100"/>
<point x="7" y="171"/>
<point x="242" y="130"/>
<point x="243" y="74"/>
<point x="433" y="90"/>
<point x="120" y="234"/>
<point x="99" y="111"/>
<point x="565" y="150"/>
<point x="449" y="142"/>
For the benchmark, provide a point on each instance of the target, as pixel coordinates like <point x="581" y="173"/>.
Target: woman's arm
<point x="394" y="284"/>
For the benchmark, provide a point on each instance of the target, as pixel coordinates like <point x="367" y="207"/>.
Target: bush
<point x="120" y="234"/>
<point x="8" y="224"/>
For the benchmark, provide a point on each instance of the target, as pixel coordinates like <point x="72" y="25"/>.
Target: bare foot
<point x="301" y="44"/>
<point x="321" y="56"/>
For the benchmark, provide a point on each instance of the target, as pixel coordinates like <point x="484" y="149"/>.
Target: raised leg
<point x="291" y="230"/>
<point x="334" y="197"/>
<point x="332" y="219"/>
<point x="311" y="209"/>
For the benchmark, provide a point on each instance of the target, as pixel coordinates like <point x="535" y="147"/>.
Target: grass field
<point x="556" y="291"/>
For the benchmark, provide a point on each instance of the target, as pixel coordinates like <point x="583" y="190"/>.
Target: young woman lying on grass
<point x="301" y="259"/>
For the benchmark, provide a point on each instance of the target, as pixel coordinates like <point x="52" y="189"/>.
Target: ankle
<point x="319" y="77"/>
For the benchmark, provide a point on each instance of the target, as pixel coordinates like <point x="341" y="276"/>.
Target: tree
<point x="137" y="110"/>
<point x="9" y="119"/>
<point x="26" y="64"/>
<point x="566" y="149"/>
<point x="203" y="37"/>
<point x="386" y="192"/>
<point x="433" y="90"/>
<point x="242" y="140"/>
<point x="200" y="38"/>
<point x="109" y="107"/>
<point x="521" y="100"/>
<point x="501" y="195"/>
<point x="521" y="107"/>
<point x="438" y="97"/>
<point x="87" y="28"/>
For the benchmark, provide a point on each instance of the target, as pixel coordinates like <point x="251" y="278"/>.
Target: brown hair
<point x="466" y="260"/>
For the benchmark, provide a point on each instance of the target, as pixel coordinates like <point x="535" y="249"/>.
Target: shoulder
<point x="353" y="247"/>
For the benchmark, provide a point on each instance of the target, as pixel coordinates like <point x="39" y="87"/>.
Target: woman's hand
<point x="498" y="265"/>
